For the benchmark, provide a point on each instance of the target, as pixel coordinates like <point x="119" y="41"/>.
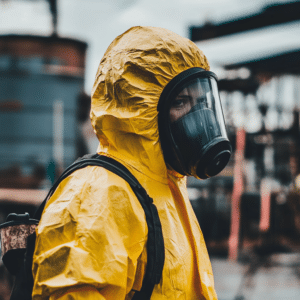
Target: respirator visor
<point x="196" y="133"/>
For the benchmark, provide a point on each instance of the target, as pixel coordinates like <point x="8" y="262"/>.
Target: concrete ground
<point x="276" y="277"/>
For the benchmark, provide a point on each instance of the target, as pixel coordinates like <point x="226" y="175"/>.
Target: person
<point x="151" y="86"/>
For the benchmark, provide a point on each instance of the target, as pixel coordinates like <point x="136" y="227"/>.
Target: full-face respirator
<point x="191" y="125"/>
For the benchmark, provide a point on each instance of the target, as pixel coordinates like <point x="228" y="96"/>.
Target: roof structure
<point x="278" y="64"/>
<point x="287" y="63"/>
<point x="276" y="61"/>
<point x="274" y="14"/>
<point x="245" y="86"/>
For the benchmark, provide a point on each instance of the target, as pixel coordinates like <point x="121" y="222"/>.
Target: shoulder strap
<point x="155" y="243"/>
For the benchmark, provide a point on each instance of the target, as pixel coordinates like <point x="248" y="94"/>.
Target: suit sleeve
<point x="90" y="239"/>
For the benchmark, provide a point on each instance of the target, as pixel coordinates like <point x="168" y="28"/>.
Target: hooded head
<point x="130" y="79"/>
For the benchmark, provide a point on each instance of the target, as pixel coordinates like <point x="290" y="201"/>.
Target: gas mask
<point x="191" y="125"/>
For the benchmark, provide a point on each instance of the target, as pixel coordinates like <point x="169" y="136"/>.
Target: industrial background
<point x="249" y="214"/>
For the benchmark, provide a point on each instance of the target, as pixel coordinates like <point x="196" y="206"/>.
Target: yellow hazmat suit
<point x="92" y="235"/>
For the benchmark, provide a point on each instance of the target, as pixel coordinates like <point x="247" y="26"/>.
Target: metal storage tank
<point x="40" y="81"/>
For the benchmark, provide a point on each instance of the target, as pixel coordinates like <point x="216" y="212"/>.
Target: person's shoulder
<point x="103" y="188"/>
<point x="92" y="183"/>
<point x="89" y="190"/>
<point x="95" y="178"/>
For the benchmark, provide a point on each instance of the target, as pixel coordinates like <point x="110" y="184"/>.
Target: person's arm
<point x="89" y="240"/>
<point x="78" y="293"/>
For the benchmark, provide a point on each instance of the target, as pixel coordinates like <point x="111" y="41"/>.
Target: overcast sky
<point x="98" y="22"/>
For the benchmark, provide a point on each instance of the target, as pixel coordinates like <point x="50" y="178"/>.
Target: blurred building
<point x="261" y="98"/>
<point x="41" y="79"/>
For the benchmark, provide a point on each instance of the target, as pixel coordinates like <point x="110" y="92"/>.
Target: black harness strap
<point x="155" y="242"/>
